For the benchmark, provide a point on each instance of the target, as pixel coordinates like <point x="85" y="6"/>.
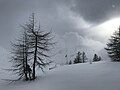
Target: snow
<point x="4" y="63"/>
<point x="104" y="75"/>
<point x="97" y="76"/>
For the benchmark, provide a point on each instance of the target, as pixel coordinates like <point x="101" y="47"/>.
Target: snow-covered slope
<point x="4" y="63"/>
<point x="96" y="76"/>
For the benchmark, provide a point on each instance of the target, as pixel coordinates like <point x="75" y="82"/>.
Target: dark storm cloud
<point x="97" y="10"/>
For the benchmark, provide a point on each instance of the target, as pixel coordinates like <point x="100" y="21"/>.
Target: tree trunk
<point x="24" y="65"/>
<point x="35" y="58"/>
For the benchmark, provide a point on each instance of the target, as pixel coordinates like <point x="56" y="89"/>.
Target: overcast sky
<point x="74" y="22"/>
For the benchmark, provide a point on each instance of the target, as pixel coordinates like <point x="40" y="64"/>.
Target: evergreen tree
<point x="84" y="57"/>
<point x="39" y="44"/>
<point x="70" y="62"/>
<point x="113" y="46"/>
<point x="95" y="58"/>
<point x="33" y="47"/>
<point x="78" y="58"/>
<point x="99" y="58"/>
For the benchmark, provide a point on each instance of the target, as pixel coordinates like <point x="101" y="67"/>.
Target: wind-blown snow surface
<point x="97" y="76"/>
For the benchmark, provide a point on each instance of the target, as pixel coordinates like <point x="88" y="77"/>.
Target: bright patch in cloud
<point x="109" y="27"/>
<point x="103" y="31"/>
